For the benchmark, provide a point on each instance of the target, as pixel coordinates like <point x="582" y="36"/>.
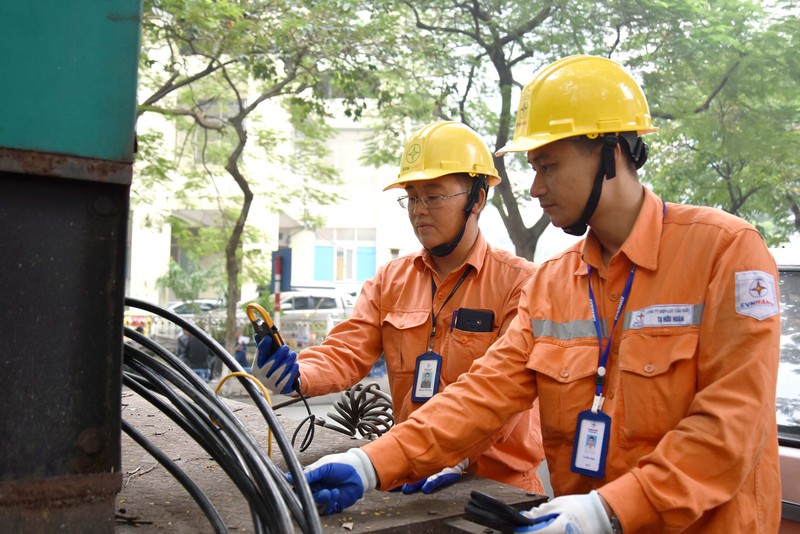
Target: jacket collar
<point x="642" y="244"/>
<point x="477" y="254"/>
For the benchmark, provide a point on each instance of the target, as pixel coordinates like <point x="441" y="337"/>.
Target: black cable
<point x="310" y="517"/>
<point x="202" y="431"/>
<point x="243" y="483"/>
<point x="310" y="419"/>
<point x="199" y="412"/>
<point x="214" y="442"/>
<point x="239" y="478"/>
<point x="200" y="498"/>
<point x="252" y="453"/>
<point x="254" y="450"/>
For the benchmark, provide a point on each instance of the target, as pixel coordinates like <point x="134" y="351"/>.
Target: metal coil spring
<point x="365" y="411"/>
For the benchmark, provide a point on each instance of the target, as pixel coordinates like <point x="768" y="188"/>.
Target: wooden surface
<point x="153" y="501"/>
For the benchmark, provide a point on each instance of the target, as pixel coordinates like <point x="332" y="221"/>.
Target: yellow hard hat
<point x="578" y="95"/>
<point x="442" y="148"/>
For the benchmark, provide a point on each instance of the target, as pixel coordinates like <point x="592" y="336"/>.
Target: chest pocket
<point x="658" y="380"/>
<point x="565" y="382"/>
<point x="405" y="336"/>
<point x="462" y="348"/>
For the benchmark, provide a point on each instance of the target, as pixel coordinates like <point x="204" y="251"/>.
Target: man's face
<point x="436" y="226"/>
<point x="563" y="180"/>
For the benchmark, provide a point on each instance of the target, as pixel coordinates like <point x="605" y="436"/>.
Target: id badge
<point x="591" y="444"/>
<point x="426" y="376"/>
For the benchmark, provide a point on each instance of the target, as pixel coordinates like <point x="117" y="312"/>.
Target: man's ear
<point x="622" y="159"/>
<point x="481" y="203"/>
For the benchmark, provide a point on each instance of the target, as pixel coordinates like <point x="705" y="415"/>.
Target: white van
<point x="317" y="305"/>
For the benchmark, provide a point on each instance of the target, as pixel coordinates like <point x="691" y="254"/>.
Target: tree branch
<point x="170" y="87"/>
<point x="197" y="114"/>
<point x="705" y="105"/>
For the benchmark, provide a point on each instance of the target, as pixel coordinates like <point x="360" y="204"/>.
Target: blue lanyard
<point x="600" y="378"/>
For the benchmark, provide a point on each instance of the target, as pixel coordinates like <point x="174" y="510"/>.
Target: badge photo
<point x="591" y="444"/>
<point x="426" y="376"/>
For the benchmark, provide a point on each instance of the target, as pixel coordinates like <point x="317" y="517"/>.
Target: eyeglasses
<point x="431" y="202"/>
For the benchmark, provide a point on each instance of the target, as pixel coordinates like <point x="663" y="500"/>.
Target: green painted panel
<point x="68" y="72"/>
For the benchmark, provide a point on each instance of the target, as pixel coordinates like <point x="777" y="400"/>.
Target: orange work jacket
<point x="690" y="385"/>
<point x="393" y="316"/>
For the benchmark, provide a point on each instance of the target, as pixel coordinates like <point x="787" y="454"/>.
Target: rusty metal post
<point x="67" y="115"/>
<point x="62" y="275"/>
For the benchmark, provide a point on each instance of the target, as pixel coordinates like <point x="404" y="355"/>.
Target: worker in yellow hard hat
<point x="433" y="312"/>
<point x="605" y="106"/>
<point x="438" y="150"/>
<point x="652" y="344"/>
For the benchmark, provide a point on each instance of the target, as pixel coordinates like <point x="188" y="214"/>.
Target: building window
<point x="344" y="255"/>
<point x="344" y="264"/>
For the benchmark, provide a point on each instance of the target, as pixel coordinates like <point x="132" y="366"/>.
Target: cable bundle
<point x="174" y="389"/>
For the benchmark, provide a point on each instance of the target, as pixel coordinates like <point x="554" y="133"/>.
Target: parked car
<point x="788" y="397"/>
<point x="197" y="306"/>
<point x="207" y="314"/>
<point x="316" y="305"/>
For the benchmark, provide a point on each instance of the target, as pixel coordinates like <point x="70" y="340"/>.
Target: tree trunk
<point x="233" y="248"/>
<point x="524" y="239"/>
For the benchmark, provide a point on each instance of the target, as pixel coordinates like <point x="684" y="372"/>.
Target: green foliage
<point x="186" y="284"/>
<point x="153" y="166"/>
<point x="729" y="111"/>
<point x="721" y="79"/>
<point x="197" y="240"/>
<point x="208" y="65"/>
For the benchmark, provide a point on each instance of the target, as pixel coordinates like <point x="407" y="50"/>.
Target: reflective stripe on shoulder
<point x="564" y="331"/>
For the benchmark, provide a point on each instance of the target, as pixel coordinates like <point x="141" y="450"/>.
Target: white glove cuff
<point x="599" y="511"/>
<point x="457" y="469"/>
<point x="366" y="470"/>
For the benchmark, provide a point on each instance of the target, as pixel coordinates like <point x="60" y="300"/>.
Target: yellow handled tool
<point x="263" y="325"/>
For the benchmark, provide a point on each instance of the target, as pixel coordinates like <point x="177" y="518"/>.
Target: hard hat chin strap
<point x="446" y="248"/>
<point x="607" y="169"/>
<point x="481" y="182"/>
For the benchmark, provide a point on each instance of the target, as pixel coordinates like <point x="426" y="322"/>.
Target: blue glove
<point x="442" y="479"/>
<point x="578" y="514"/>
<point x="278" y="370"/>
<point x="337" y="481"/>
